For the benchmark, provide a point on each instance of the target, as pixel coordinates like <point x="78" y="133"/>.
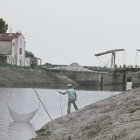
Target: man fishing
<point x="72" y="97"/>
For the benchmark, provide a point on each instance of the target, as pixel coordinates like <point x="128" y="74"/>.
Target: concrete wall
<point x="96" y="80"/>
<point x="12" y="77"/>
<point x="136" y="79"/>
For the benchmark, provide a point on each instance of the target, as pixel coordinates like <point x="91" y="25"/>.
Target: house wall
<point x="5" y="47"/>
<point x="11" y="59"/>
<point x="12" y="50"/>
<point x="20" y="44"/>
<point x="27" y="61"/>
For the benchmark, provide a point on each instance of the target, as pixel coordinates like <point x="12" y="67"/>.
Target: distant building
<point x="12" y="49"/>
<point x="35" y="61"/>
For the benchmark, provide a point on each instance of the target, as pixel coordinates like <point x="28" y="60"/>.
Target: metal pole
<point x="114" y="60"/>
<point x="111" y="61"/>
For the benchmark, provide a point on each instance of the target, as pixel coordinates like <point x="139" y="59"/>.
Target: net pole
<point x="42" y="104"/>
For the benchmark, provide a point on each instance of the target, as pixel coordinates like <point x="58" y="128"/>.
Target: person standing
<point x="72" y="97"/>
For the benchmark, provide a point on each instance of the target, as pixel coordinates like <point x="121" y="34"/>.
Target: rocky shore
<point x="115" y="118"/>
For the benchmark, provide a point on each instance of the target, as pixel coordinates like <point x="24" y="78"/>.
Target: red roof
<point x="9" y="36"/>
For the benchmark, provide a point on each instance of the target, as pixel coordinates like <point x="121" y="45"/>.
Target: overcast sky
<point x="66" y="31"/>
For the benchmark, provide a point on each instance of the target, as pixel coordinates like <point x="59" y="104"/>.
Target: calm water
<point x="25" y="101"/>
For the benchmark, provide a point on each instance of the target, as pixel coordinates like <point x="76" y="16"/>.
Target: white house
<point x="12" y="49"/>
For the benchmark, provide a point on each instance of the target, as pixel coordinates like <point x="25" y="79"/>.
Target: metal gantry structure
<point x="113" y="56"/>
<point x="136" y="60"/>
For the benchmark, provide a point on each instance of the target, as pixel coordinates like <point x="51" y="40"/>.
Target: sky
<point x="67" y="31"/>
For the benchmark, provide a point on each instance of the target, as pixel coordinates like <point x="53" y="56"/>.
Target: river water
<point x="24" y="100"/>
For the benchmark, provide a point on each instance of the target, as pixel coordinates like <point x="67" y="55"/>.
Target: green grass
<point x="47" y="65"/>
<point x="3" y="64"/>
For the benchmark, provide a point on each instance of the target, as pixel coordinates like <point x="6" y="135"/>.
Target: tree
<point x="3" y="26"/>
<point x="29" y="54"/>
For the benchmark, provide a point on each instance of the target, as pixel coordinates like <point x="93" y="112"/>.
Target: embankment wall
<point x="96" y="80"/>
<point x="136" y="79"/>
<point x="17" y="77"/>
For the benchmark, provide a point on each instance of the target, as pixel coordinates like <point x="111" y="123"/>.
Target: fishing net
<point x="22" y="104"/>
<point x="21" y="117"/>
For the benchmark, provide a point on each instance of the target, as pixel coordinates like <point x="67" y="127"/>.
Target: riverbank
<point x="28" y="78"/>
<point x="53" y="78"/>
<point x="115" y="118"/>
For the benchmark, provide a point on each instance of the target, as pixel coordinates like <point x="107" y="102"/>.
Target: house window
<point x="13" y="44"/>
<point x="20" y="50"/>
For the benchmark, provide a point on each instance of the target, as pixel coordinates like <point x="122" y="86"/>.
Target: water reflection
<point x="116" y="87"/>
<point x="20" y="131"/>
